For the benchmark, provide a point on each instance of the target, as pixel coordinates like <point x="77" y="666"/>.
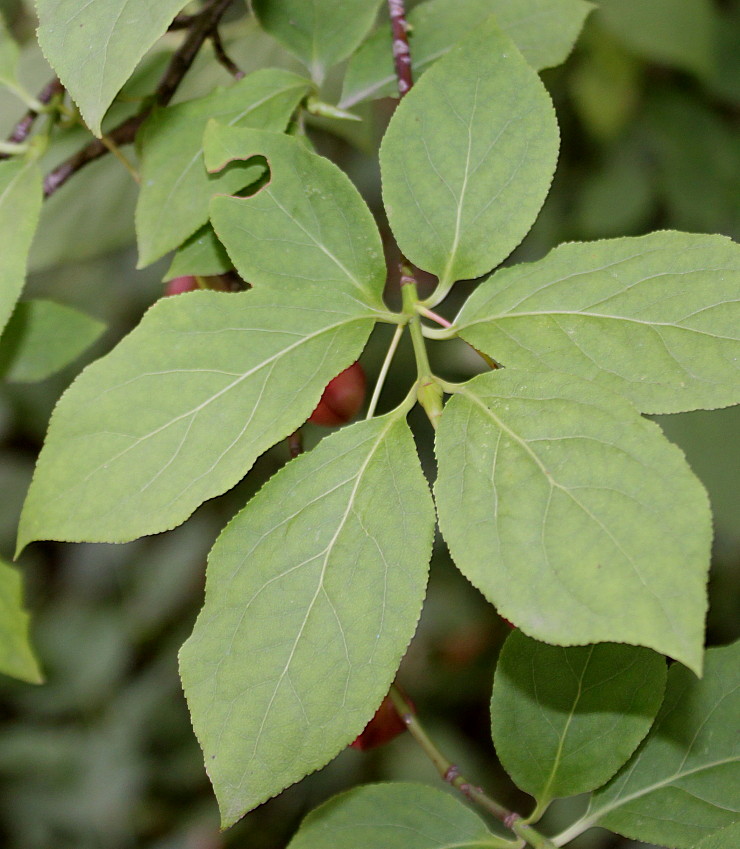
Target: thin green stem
<point x="428" y="391"/>
<point x="384" y="370"/>
<point x="450" y="773"/>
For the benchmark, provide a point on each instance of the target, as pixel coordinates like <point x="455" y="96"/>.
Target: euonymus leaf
<point x="572" y="514"/>
<point x="655" y="318"/>
<point x="396" y="815"/>
<point x="20" y="205"/>
<point x="313" y="593"/>
<point x="95" y="46"/>
<point x="42" y="337"/>
<point x="725" y="838"/>
<point x="16" y="656"/>
<point x="181" y="408"/>
<point x="319" y="32"/>
<point x="684" y="781"/>
<point x="201" y="254"/>
<point x="565" y="719"/>
<point x="307" y="225"/>
<point x="437" y="25"/>
<point x="175" y="186"/>
<point x="8" y="56"/>
<point x="468" y="157"/>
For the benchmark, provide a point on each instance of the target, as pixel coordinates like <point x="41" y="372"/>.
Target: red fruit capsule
<point x="178" y="285"/>
<point x="384" y="726"/>
<point x="342" y="398"/>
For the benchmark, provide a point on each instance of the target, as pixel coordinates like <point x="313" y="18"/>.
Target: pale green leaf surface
<point x="94" y="47"/>
<point x="178" y="412"/>
<point x="468" y="157"/>
<point x="572" y="514"/>
<point x="201" y="254"/>
<point x="684" y="781"/>
<point x="673" y="32"/>
<point x="16" y="656"/>
<point x="400" y="815"/>
<point x="564" y="719"/>
<point x="313" y="594"/>
<point x="725" y="838"/>
<point x="307" y="225"/>
<point x="319" y="32"/>
<point x="42" y="337"/>
<point x="9" y="55"/>
<point x="20" y="205"/>
<point x="654" y="318"/>
<point x="543" y="30"/>
<point x="175" y="186"/>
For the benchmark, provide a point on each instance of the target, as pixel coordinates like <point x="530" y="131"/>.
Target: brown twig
<point x="201" y="27"/>
<point x="228" y="63"/>
<point x="23" y="127"/>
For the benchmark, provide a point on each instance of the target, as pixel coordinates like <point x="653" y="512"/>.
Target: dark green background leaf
<point x="16" y="656"/>
<point x="42" y="337"/>
<point x="394" y="816"/>
<point x="543" y="30"/>
<point x="565" y="719"/>
<point x="319" y="32"/>
<point x="684" y="781"/>
<point x="20" y="205"/>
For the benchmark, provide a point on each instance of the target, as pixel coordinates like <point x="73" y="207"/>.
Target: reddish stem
<point x="401" y="52"/>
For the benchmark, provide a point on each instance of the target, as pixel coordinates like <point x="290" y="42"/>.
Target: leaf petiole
<point x="384" y="370"/>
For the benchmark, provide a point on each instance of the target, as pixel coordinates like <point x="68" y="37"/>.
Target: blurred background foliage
<point x="102" y="756"/>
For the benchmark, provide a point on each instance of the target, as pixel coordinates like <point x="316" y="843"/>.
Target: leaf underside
<point x="572" y="514"/>
<point x="178" y="412"/>
<point x="321" y="578"/>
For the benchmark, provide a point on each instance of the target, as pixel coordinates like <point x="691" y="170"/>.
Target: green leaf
<point x="308" y="225"/>
<point x="572" y="514"/>
<point x="438" y="25"/>
<point x="565" y="719"/>
<point x="175" y="187"/>
<point x="679" y="33"/>
<point x="201" y="254"/>
<point x="16" y="656"/>
<point x="319" y="32"/>
<point x="655" y="318"/>
<point x="397" y="815"/>
<point x="9" y="54"/>
<point x="684" y="781"/>
<point x="94" y="47"/>
<point x="42" y="337"/>
<point x="725" y="838"/>
<point x="178" y="412"/>
<point x="313" y="593"/>
<point x="20" y="205"/>
<point x="468" y="157"/>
